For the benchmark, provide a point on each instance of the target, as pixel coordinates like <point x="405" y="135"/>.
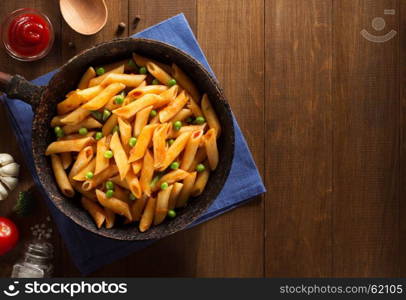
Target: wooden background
<point x="323" y="111"/>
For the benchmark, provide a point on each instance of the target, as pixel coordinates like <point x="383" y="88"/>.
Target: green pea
<point x="200" y="120"/>
<point x="132" y="141"/>
<point x="171" y="213"/>
<point x="153" y="113"/>
<point x="119" y="99"/>
<point x="200" y="168"/>
<point x="83" y="131"/>
<point x="100" y="71"/>
<point x="172" y="82"/>
<point x="132" y="197"/>
<point x="143" y="70"/>
<point x="106" y="115"/>
<point x="174" y="165"/>
<point x="155" y="82"/>
<point x="108" y="154"/>
<point x="58" y="131"/>
<point x="164" y="185"/>
<point x="131" y="64"/>
<point x="97" y="115"/>
<point x="89" y="175"/>
<point x="110" y="185"/>
<point x="109" y="193"/>
<point x="115" y="129"/>
<point x="98" y="136"/>
<point x="177" y="125"/>
<point x="170" y="142"/>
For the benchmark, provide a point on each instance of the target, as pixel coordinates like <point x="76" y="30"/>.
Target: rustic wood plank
<point x="298" y="145"/>
<point x="152" y="12"/>
<point x="366" y="142"/>
<point x="30" y="71"/>
<point x="402" y="184"/>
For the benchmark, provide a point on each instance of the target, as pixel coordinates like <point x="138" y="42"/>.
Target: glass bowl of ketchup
<point x="27" y="34"/>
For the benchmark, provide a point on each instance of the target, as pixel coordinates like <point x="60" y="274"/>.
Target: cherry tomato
<point x="8" y="235"/>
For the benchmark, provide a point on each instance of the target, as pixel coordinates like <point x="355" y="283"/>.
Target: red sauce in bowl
<point x="27" y="34"/>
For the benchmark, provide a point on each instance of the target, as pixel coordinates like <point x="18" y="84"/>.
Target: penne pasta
<point x="210" y="143"/>
<point x="116" y="205"/>
<point x="143" y="141"/>
<point x="196" y="111"/>
<point x="160" y="135"/>
<point x="147" y="172"/>
<point x="136" y="166"/>
<point x="171" y="177"/>
<point x="142" y="62"/>
<point x="148" y="89"/>
<point x="199" y="157"/>
<point x="129" y="80"/>
<point x="123" y="183"/>
<point x="84" y="157"/>
<point x="177" y="187"/>
<point x="110" y="218"/>
<point x="131" y="109"/>
<point x="186" y="191"/>
<point x="96" y="212"/>
<point x="57" y="121"/>
<point x="75" y="116"/>
<point x="88" y="194"/>
<point x="148" y="215"/>
<point x="120" y="156"/>
<point x="138" y="207"/>
<point x="125" y="133"/>
<point x="66" y="158"/>
<point x="99" y="79"/>
<point x="182" y="115"/>
<point x="133" y="184"/>
<point x="162" y="205"/>
<point x="81" y="175"/>
<point x="191" y="149"/>
<point x="210" y="115"/>
<point x="88" y="123"/>
<point x="102" y="163"/>
<point x="61" y="177"/>
<point x="100" y="178"/>
<point x="69" y="145"/>
<point x="141" y="119"/>
<point x="101" y="99"/>
<point x="200" y="183"/>
<point x="184" y="81"/>
<point x="84" y="81"/>
<point x="109" y="125"/>
<point x="158" y="73"/>
<point x="189" y="128"/>
<point x="173" y="108"/>
<point x="72" y="102"/>
<point x="174" y="150"/>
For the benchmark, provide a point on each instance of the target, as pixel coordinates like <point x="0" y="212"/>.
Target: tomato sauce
<point x="29" y="34"/>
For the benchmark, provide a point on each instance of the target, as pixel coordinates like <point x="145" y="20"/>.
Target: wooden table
<point x="323" y="111"/>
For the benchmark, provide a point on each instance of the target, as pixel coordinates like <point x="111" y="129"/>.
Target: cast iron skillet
<point x="44" y="99"/>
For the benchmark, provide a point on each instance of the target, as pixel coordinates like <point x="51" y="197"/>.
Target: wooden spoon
<point x="86" y="17"/>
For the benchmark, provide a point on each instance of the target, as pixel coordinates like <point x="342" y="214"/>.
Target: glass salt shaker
<point x="36" y="262"/>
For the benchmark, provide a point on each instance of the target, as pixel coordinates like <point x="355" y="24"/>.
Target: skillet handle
<point x="20" y="88"/>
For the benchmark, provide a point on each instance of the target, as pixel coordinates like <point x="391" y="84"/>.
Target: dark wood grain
<point x="298" y="146"/>
<point x="402" y="181"/>
<point x="366" y="142"/>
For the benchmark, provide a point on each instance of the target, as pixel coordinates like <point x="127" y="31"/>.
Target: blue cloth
<point x="90" y="251"/>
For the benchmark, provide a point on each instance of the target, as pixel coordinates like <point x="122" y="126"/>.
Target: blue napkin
<point x="90" y="251"/>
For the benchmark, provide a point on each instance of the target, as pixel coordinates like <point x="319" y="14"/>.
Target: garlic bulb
<point x="8" y="174"/>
